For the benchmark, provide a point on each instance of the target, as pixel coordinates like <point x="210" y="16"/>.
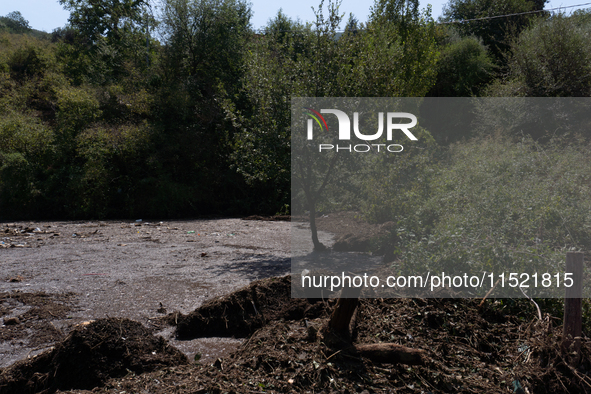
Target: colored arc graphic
<point x="311" y="112"/>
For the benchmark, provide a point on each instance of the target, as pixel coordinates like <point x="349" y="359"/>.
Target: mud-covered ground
<point x="57" y="274"/>
<point x="68" y="290"/>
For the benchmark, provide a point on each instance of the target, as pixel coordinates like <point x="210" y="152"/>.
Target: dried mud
<point x="141" y="270"/>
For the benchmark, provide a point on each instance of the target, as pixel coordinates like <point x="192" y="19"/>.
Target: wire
<point x="518" y="13"/>
<point x="262" y="30"/>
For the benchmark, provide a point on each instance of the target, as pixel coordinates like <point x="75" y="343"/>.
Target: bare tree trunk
<point x="318" y="246"/>
<point x="340" y="320"/>
<point x="337" y="333"/>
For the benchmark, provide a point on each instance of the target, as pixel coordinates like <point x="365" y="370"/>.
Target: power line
<point x="262" y="30"/>
<point x="515" y="14"/>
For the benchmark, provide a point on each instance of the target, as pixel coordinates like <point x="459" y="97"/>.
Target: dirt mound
<point x="89" y="355"/>
<point x="241" y="313"/>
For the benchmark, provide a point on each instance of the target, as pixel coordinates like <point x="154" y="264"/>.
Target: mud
<point x="138" y="270"/>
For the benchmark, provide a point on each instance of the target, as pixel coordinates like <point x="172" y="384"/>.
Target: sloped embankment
<point x="242" y="312"/>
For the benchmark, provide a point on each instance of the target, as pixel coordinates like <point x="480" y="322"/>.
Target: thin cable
<point x="518" y="13"/>
<point x="262" y="30"/>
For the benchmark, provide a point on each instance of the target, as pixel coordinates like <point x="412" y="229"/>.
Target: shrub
<point x="463" y="68"/>
<point x="552" y="59"/>
<point x="77" y="108"/>
<point x="491" y="204"/>
<point x="25" y="144"/>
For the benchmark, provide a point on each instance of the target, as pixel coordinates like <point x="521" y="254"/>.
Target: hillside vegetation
<point x="124" y="113"/>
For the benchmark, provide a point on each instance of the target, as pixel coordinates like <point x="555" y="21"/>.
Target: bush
<point x="113" y="165"/>
<point x="29" y="61"/>
<point x="491" y="204"/>
<point x="77" y="108"/>
<point x="552" y="59"/>
<point x="23" y="134"/>
<point x="464" y="68"/>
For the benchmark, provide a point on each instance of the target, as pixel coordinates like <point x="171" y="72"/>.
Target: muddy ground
<point x="57" y="274"/>
<point x="185" y="281"/>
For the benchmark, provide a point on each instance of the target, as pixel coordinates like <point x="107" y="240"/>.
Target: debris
<point x="517" y="388"/>
<point x="89" y="356"/>
<point x="392" y="353"/>
<point x="11" y="321"/>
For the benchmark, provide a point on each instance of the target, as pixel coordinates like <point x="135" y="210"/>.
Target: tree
<point x="291" y="60"/>
<point x="15" y="22"/>
<point x="464" y="67"/>
<point x="553" y="59"/>
<point x="110" y="38"/>
<point x="104" y="18"/>
<point x="205" y="40"/>
<point x="201" y="64"/>
<point x="496" y="33"/>
<point x="395" y="57"/>
<point x="397" y="53"/>
<point x="261" y="112"/>
<point x="295" y="60"/>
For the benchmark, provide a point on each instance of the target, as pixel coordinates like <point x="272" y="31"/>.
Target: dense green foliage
<point x="552" y="59"/>
<point x="464" y="66"/>
<point x="496" y="33"/>
<point x="126" y="114"/>
<point x="15" y="23"/>
<point x="488" y="204"/>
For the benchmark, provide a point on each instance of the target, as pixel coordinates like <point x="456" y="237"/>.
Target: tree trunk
<point x="337" y="334"/>
<point x="340" y="320"/>
<point x="337" y="330"/>
<point x="318" y="246"/>
<point x="573" y="310"/>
